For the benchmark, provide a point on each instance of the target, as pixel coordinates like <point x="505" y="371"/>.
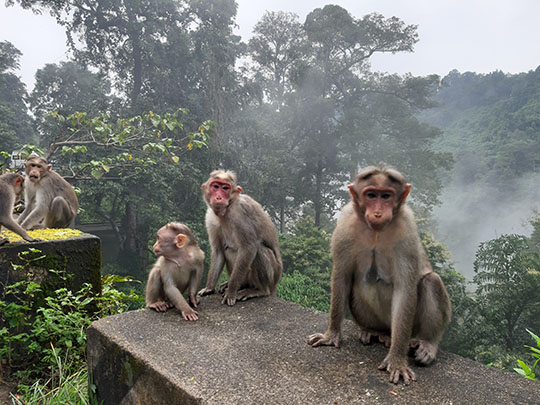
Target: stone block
<point x="256" y="352"/>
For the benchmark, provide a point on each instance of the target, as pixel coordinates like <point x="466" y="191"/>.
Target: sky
<point x="468" y="35"/>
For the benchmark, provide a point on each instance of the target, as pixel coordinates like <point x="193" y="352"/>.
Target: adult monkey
<point x="381" y="268"/>
<point x="11" y="186"/>
<point x="243" y="238"/>
<point x="48" y="197"/>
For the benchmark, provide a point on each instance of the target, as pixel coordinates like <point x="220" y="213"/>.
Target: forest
<point x="156" y="95"/>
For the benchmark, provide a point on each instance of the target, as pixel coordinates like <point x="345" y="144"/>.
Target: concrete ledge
<point x="79" y="256"/>
<point x="256" y="353"/>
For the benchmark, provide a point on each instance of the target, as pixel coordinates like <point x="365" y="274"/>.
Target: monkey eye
<point x="225" y="187"/>
<point x="371" y="194"/>
<point x="215" y="186"/>
<point x="386" y="196"/>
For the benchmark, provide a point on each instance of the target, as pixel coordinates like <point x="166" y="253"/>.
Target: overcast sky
<point x="468" y="35"/>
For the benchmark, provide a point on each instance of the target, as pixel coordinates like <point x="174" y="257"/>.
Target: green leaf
<point x="97" y="174"/>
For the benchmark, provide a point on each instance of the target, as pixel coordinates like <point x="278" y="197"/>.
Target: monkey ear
<point x="238" y="189"/>
<point x="406" y="192"/>
<point x="181" y="240"/>
<point x="49" y="167"/>
<point x="18" y="181"/>
<point x="351" y="190"/>
<point x="203" y="186"/>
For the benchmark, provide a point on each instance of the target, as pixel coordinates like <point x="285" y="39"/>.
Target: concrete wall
<point x="257" y="353"/>
<point x="79" y="257"/>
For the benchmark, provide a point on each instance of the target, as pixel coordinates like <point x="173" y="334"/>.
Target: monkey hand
<point x="229" y="297"/>
<point x="397" y="368"/>
<point x="328" y="338"/>
<point x="194" y="300"/>
<point x="206" y="291"/>
<point x="190" y="314"/>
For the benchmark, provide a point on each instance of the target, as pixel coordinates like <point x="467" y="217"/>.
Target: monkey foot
<point x="223" y="287"/>
<point x="397" y="370"/>
<point x="160" y="306"/>
<point x="248" y="293"/>
<point x="425" y="351"/>
<point x="324" y="339"/>
<point x="366" y="335"/>
<point x="206" y="291"/>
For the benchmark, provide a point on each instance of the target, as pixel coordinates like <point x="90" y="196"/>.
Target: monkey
<point x="242" y="238"/>
<point x="382" y="272"/>
<point x="179" y="266"/>
<point x="48" y="197"/>
<point x="11" y="186"/>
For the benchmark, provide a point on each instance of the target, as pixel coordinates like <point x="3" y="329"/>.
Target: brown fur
<point x="11" y="185"/>
<point x="48" y="197"/>
<point x="176" y="270"/>
<point x="385" y="278"/>
<point x="244" y="240"/>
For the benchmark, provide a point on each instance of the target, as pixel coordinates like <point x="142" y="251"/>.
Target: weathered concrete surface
<point x="256" y="353"/>
<point x="78" y="256"/>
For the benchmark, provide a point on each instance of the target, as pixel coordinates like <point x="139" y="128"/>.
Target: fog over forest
<point x="472" y="214"/>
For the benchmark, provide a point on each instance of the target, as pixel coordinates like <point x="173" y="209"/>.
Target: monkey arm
<point x="341" y="285"/>
<point x="10" y="224"/>
<point x="403" y="312"/>
<point x="175" y="296"/>
<point x="194" y="281"/>
<point x="242" y="266"/>
<point x="36" y="214"/>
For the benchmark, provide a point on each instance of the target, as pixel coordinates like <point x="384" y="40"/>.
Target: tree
<point x="67" y="88"/>
<point x="508" y="283"/>
<point x="15" y="123"/>
<point x="121" y="163"/>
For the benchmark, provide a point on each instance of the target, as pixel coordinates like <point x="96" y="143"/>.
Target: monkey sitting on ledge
<point x="179" y="266"/>
<point x="48" y="197"/>
<point x="382" y="272"/>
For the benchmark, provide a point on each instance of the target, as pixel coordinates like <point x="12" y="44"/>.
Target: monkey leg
<point x="432" y="317"/>
<point x="366" y="336"/>
<point x="60" y="214"/>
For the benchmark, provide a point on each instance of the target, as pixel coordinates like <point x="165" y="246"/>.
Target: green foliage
<point x="66" y="387"/>
<point x="306" y="265"/>
<point x="306" y="250"/>
<point x="303" y="290"/>
<point x="34" y="337"/>
<point x="525" y="370"/>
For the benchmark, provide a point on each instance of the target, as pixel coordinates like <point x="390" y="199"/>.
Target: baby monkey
<point x="179" y="265"/>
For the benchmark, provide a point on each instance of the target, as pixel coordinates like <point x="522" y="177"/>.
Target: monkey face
<point x="379" y="206"/>
<point x="36" y="168"/>
<point x="165" y="242"/>
<point x="220" y="196"/>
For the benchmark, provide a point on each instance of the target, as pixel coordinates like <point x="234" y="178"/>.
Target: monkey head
<point x="378" y="195"/>
<point x="168" y="241"/>
<point x="220" y="190"/>
<point x="18" y="185"/>
<point x="36" y="168"/>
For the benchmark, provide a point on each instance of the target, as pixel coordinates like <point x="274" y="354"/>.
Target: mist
<point x="472" y="214"/>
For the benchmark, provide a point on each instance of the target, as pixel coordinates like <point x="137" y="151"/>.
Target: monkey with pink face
<point x="243" y="240"/>
<point x="382" y="273"/>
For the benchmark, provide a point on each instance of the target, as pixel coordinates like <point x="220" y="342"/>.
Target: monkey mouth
<point x="33" y="179"/>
